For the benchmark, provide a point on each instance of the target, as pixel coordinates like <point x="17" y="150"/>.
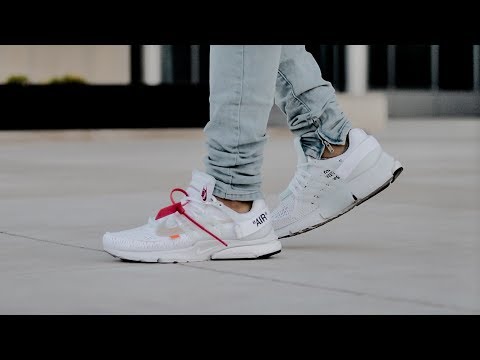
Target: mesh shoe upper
<point x="173" y="230"/>
<point x="315" y="186"/>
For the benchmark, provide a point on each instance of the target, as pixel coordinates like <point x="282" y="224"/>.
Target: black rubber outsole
<point x="266" y="256"/>
<point x="396" y="174"/>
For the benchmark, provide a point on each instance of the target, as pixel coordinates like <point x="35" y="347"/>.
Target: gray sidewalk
<point x="413" y="249"/>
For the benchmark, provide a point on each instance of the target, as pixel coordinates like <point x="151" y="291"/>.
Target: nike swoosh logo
<point x="199" y="251"/>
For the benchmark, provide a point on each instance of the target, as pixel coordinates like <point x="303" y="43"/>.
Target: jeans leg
<point x="309" y="101"/>
<point x="242" y="90"/>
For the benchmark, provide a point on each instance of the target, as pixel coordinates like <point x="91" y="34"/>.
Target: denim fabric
<point x="244" y="82"/>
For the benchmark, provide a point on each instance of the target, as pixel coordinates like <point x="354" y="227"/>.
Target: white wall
<point x="98" y="64"/>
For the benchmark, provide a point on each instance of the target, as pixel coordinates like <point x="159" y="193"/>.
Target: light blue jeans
<point x="244" y="82"/>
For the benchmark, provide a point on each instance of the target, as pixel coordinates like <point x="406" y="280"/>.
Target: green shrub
<point x="17" y="80"/>
<point x="67" y="79"/>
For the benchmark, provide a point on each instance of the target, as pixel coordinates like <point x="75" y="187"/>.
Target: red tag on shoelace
<point x="174" y="207"/>
<point x="178" y="207"/>
<point x="169" y="210"/>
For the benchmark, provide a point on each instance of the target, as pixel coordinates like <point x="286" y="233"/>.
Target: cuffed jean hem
<point x="312" y="142"/>
<point x="224" y="191"/>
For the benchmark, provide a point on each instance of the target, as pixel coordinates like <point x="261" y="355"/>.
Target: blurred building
<point x="414" y="80"/>
<point x="97" y="64"/>
<point x="417" y="80"/>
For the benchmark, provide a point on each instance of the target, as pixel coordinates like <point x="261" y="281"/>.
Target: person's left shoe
<point x="198" y="228"/>
<point x="322" y="190"/>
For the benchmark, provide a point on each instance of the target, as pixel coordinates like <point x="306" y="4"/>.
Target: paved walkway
<point x="413" y="249"/>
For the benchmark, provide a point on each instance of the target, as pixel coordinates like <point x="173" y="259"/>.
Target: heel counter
<point x="364" y="154"/>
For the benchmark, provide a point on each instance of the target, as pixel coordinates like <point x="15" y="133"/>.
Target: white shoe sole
<point x="364" y="187"/>
<point x="205" y="250"/>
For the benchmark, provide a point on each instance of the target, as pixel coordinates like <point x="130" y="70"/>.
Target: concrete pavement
<point x="413" y="249"/>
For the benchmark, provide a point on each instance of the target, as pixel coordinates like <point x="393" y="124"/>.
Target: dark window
<point x="377" y="72"/>
<point x="136" y="64"/>
<point x="331" y="59"/>
<point x="181" y="63"/>
<point x="204" y="64"/>
<point x="456" y="67"/>
<point x="413" y="67"/>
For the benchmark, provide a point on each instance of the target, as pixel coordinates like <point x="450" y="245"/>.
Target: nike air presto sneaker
<point x="197" y="228"/>
<point x="322" y="190"/>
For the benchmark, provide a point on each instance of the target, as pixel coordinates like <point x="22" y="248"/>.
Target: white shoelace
<point x="302" y="177"/>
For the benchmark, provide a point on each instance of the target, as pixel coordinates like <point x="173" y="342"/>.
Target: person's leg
<point x="222" y="214"/>
<point x="329" y="183"/>
<point x="242" y="89"/>
<point x="309" y="102"/>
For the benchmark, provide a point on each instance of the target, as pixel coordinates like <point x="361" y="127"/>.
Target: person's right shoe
<point x="322" y="190"/>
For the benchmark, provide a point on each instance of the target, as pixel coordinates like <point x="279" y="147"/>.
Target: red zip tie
<point x="177" y="207"/>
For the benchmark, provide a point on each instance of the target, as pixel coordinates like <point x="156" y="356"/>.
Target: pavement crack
<point x="279" y="281"/>
<point x="339" y="290"/>
<point x="50" y="241"/>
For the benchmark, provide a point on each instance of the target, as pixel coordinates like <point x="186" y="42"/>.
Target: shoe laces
<point x="300" y="179"/>
<point x="304" y="173"/>
<point x="195" y="205"/>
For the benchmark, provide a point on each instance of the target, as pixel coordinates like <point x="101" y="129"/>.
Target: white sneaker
<point x="198" y="228"/>
<point x="322" y="190"/>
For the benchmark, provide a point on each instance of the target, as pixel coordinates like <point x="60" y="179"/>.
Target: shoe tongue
<point x="301" y="157"/>
<point x="201" y="186"/>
